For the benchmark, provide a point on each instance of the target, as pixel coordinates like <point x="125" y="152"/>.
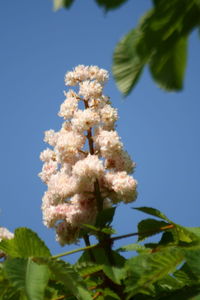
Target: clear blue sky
<point x="160" y="130"/>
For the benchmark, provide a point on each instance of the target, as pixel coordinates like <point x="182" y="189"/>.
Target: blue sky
<point x="160" y="130"/>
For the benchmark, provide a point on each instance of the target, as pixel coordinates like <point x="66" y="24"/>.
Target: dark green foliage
<point x="105" y="217"/>
<point x="145" y="269"/>
<point x="66" y="274"/>
<point x="166" y="270"/>
<point x="160" y="40"/>
<point x="149" y="227"/>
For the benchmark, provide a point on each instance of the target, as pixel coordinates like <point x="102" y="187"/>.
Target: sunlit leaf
<point x="133" y="247"/>
<point x="145" y="269"/>
<point x="27" y="276"/>
<point x="25" y="243"/>
<point x="168" y="64"/>
<point x="153" y="211"/>
<point x="65" y="273"/>
<point x="128" y="63"/>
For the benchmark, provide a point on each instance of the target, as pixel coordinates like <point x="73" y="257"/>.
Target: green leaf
<point x="87" y="268"/>
<point x="195" y="231"/>
<point x="177" y="233"/>
<point x="185" y="275"/>
<point x="95" y="230"/>
<point x="149" y="227"/>
<point x="108" y="294"/>
<point x="9" y="293"/>
<point x="167" y="238"/>
<point x="160" y="40"/>
<point x="153" y="211"/>
<point x="27" y="276"/>
<point x="110" y="261"/>
<point x="25" y="243"/>
<point x="133" y="247"/>
<point x="193" y="260"/>
<point x="114" y="273"/>
<point x="58" y="4"/>
<point x="145" y="269"/>
<point x="128" y="62"/>
<point x="108" y="5"/>
<point x="185" y="293"/>
<point x="168" y="284"/>
<point x="186" y="234"/>
<point x="105" y="217"/>
<point x="65" y="273"/>
<point x="168" y="64"/>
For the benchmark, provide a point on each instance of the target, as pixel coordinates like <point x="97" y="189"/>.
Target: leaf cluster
<point x="166" y="270"/>
<point x="160" y="41"/>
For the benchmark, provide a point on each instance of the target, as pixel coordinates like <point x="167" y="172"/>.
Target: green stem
<point x="75" y="251"/>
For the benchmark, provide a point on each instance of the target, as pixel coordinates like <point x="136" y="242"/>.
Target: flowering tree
<point x="87" y="172"/>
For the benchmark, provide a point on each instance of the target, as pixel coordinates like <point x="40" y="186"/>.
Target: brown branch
<point x="87" y="243"/>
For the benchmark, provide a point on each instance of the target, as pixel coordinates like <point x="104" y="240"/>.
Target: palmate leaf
<point x="177" y="233"/>
<point x="27" y="277"/>
<point x="128" y="62"/>
<point x="115" y="270"/>
<point x="66" y="274"/>
<point x="146" y="269"/>
<point x="162" y="44"/>
<point x="87" y="268"/>
<point x="25" y="243"/>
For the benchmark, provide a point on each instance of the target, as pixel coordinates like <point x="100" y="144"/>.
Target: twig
<point x="87" y="243"/>
<point x="170" y="226"/>
<point x="75" y="251"/>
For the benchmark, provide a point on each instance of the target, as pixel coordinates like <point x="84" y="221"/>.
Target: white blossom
<point x="77" y="173"/>
<point x="5" y="234"/>
<point x="85" y="119"/>
<point x="69" y="106"/>
<point x="90" y="89"/>
<point x="108" y="142"/>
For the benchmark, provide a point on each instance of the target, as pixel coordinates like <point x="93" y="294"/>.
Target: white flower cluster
<point x="87" y="154"/>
